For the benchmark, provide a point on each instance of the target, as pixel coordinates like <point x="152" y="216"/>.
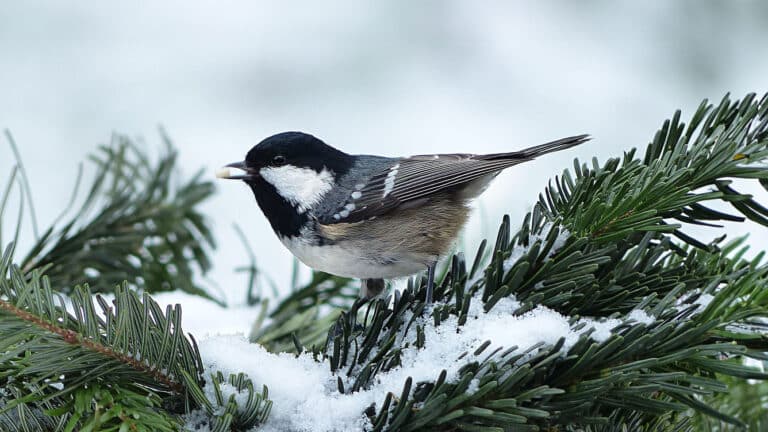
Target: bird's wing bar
<point x="420" y="176"/>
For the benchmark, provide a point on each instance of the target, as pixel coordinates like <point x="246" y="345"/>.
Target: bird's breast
<point x="348" y="259"/>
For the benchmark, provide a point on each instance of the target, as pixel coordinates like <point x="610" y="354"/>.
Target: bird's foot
<point x="370" y="288"/>
<point x="430" y="283"/>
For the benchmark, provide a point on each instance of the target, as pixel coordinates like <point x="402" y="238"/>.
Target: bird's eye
<point x="278" y="160"/>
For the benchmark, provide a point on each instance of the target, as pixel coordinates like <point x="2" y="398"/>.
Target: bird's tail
<point x="541" y="149"/>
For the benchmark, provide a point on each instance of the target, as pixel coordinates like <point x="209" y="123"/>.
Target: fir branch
<point x="134" y="225"/>
<point x="745" y="400"/>
<point x="127" y="366"/>
<point x="74" y="338"/>
<point x="634" y="195"/>
<point x="51" y="354"/>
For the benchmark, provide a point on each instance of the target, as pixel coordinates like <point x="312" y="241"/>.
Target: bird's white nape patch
<point x="389" y="182"/>
<point x="302" y="187"/>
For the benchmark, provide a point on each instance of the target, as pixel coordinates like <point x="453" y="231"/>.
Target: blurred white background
<point x="391" y="78"/>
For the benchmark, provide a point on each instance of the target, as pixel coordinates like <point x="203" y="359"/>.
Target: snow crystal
<point x="641" y="316"/>
<point x="473" y="387"/>
<point x="602" y="328"/>
<point x="702" y="301"/>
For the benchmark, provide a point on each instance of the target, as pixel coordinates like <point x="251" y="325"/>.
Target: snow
<point x="702" y="300"/>
<point x="641" y="316"/>
<point x="203" y="318"/>
<point x="304" y="392"/>
<point x="602" y="329"/>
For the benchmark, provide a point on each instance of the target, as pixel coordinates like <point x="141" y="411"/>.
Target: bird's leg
<point x="430" y="282"/>
<point x="370" y="288"/>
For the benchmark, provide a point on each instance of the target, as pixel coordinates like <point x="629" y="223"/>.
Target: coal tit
<point x="369" y="217"/>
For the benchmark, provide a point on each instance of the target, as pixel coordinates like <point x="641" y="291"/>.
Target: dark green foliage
<point x="633" y="421"/>
<point x="27" y="417"/>
<point x="621" y="252"/>
<point x="132" y="350"/>
<point x="127" y="365"/>
<point x="114" y="408"/>
<point x="128" y="343"/>
<point x="139" y="223"/>
<point x="744" y="400"/>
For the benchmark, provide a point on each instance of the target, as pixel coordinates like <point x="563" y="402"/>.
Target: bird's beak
<point x="225" y="172"/>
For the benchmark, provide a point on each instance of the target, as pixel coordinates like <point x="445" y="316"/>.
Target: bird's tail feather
<point x="541" y="149"/>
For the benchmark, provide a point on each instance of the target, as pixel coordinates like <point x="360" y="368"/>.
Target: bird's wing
<point x="418" y="177"/>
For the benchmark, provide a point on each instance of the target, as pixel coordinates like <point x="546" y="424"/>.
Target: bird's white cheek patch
<point x="302" y="187"/>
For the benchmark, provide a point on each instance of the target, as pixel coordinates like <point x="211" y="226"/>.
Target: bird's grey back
<point x="364" y="168"/>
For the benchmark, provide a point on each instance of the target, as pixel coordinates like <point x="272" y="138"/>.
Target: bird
<point x="366" y="216"/>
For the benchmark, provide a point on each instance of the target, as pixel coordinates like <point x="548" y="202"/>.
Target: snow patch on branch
<point x="302" y="390"/>
<point x="694" y="298"/>
<point x="305" y="394"/>
<point x="641" y="316"/>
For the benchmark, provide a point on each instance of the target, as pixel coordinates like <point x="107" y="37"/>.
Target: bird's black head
<point x="289" y="173"/>
<point x="297" y="149"/>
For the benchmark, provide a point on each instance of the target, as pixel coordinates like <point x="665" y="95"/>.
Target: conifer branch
<point x="74" y="338"/>
<point x="135" y="224"/>
<point x="52" y="355"/>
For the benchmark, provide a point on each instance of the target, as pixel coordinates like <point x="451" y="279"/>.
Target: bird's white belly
<point x="340" y="261"/>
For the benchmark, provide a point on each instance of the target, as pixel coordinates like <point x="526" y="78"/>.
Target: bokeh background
<point x="393" y="78"/>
